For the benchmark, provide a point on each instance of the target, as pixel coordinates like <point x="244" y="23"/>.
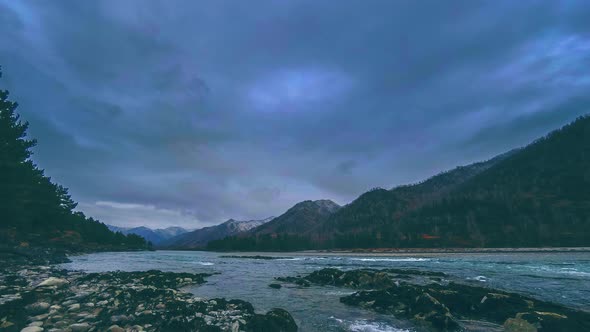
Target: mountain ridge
<point x="199" y="238"/>
<point x="531" y="196"/>
<point x="155" y="236"/>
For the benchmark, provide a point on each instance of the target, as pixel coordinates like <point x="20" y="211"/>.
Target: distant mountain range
<point x="530" y="197"/>
<point x="201" y="237"/>
<point x="155" y="236"/>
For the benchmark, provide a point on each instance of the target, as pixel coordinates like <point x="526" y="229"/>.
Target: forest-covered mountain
<point x="155" y="236"/>
<point x="35" y="211"/>
<point x="201" y="237"/>
<point x="285" y="232"/>
<point x="530" y="197"/>
<point x="300" y="218"/>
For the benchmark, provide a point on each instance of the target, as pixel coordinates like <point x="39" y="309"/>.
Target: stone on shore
<point x="32" y="329"/>
<point x="52" y="281"/>
<point x="37" y="308"/>
<point x="80" y="327"/>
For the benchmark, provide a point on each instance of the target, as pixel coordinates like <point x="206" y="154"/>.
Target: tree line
<point x="34" y="210"/>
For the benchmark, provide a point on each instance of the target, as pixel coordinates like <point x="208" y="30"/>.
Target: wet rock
<point x="115" y="328"/>
<point x="32" y="329"/>
<point x="37" y="308"/>
<point x="123" y="301"/>
<point x="295" y="280"/>
<point x="278" y="320"/>
<point x="518" y="325"/>
<point x="275" y="286"/>
<point x="358" y="279"/>
<point x="74" y="307"/>
<point x="119" y="319"/>
<point x="51" y="281"/>
<point x="80" y="327"/>
<point x="441" y="306"/>
<point x="428" y="299"/>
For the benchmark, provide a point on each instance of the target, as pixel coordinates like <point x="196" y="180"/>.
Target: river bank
<point x="38" y="297"/>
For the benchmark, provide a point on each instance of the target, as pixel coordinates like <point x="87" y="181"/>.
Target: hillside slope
<point x="536" y="197"/>
<point x="300" y="218"/>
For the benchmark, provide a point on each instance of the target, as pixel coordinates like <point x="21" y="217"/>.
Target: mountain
<point x="300" y="218"/>
<point x="283" y="232"/>
<point x="201" y="237"/>
<point x="536" y="197"/>
<point x="530" y="197"/>
<point x="379" y="207"/>
<point x="155" y="236"/>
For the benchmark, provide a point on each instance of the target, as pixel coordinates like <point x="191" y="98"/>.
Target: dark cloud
<point x="196" y="112"/>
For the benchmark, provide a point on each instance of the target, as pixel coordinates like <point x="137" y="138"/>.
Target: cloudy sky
<point x="188" y="113"/>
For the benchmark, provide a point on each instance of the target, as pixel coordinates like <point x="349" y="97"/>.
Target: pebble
<point x="80" y="327"/>
<point x="74" y="307"/>
<point x="32" y="329"/>
<point x="116" y="328"/>
<point x="37" y="308"/>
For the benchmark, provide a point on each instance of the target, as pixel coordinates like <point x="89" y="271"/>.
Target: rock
<point x="80" y="327"/>
<point x="7" y="326"/>
<point x="116" y="328"/>
<point x="37" y="308"/>
<point x="32" y="329"/>
<point x="74" y="307"/>
<point x="52" y="281"/>
<point x="278" y="320"/>
<point x="518" y="325"/>
<point x="119" y="318"/>
<point x="275" y="286"/>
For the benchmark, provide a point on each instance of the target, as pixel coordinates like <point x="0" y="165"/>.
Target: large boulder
<point x="52" y="281"/>
<point x="276" y="320"/>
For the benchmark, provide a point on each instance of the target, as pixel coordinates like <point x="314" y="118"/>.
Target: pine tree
<point x="15" y="163"/>
<point x="32" y="207"/>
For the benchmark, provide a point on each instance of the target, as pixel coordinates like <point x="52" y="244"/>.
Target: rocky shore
<point x="36" y="298"/>
<point x="435" y="303"/>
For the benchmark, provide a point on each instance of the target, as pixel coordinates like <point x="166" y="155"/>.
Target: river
<point x="558" y="277"/>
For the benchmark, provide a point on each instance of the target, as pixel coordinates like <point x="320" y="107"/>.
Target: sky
<point x="189" y="113"/>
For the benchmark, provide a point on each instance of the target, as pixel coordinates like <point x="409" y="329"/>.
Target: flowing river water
<point x="558" y="277"/>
